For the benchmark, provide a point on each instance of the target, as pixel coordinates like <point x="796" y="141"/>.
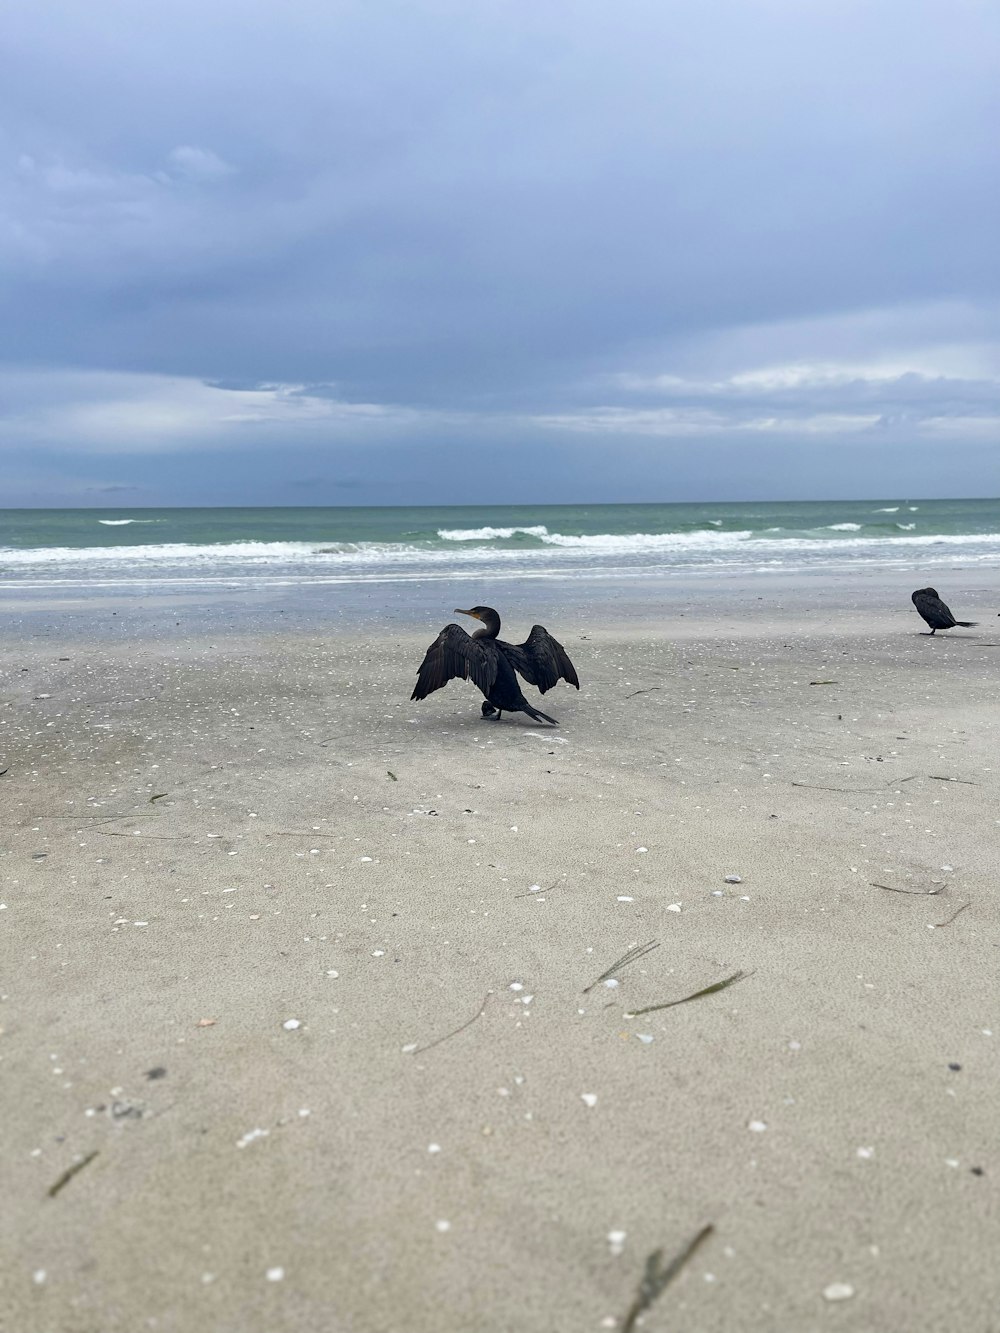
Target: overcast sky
<point x="413" y="252"/>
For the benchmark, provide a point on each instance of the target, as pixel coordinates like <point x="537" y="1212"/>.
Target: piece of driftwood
<point x="634" y="954"/>
<point x="847" y="791"/>
<point x="655" y="1279"/>
<point x="70" y="1172"/>
<point x="554" y="885"/>
<point x="419" y="1050"/>
<point x="696" y="995"/>
<point x="913" y="893"/>
<point x="957" y="912"/>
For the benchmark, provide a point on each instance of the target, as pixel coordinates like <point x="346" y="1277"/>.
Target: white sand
<point x="327" y="1177"/>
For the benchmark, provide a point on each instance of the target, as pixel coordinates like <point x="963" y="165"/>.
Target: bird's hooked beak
<point x="460" y="612"/>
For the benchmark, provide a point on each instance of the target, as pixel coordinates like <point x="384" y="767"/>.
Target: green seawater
<point x="78" y="529"/>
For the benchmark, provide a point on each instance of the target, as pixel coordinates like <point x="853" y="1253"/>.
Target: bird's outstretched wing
<point x="541" y="660"/>
<point x="454" y="655"/>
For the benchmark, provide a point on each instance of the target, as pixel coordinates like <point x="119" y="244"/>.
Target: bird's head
<point x="486" y="614"/>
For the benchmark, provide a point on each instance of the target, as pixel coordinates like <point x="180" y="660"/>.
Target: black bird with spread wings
<point x="491" y="664"/>
<point x="934" y="611"/>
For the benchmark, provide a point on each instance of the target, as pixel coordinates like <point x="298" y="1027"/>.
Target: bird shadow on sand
<point x="958" y="638"/>
<point x="463" y="722"/>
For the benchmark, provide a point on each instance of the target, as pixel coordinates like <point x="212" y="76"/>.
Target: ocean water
<point x="174" y="549"/>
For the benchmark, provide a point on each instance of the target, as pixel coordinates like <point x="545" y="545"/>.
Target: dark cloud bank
<point x="435" y="252"/>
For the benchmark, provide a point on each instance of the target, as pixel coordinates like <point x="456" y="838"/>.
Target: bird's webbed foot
<point x="488" y="709"/>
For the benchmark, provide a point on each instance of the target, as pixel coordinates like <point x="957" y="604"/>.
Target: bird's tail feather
<point x="539" y="717"/>
<point x="967" y="624"/>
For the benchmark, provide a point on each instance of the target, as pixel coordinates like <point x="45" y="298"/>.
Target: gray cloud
<point x="231" y="231"/>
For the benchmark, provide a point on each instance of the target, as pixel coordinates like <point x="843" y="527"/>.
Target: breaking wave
<point x="489" y="534"/>
<point x="654" y="550"/>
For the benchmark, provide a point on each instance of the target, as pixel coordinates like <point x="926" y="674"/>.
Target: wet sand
<point x="306" y="966"/>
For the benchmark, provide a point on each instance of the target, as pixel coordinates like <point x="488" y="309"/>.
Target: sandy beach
<point x="300" y="1029"/>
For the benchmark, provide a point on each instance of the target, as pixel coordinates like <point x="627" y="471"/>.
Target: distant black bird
<point x="490" y="663"/>
<point x="934" y="611"/>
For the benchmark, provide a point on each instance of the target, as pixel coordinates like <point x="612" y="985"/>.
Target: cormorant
<point x="490" y="663"/>
<point x="934" y="611"/>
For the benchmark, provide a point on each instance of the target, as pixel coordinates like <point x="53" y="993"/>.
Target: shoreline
<point x="422" y="602"/>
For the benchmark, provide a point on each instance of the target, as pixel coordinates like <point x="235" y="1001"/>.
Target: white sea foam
<point x="648" y="541"/>
<point x="554" y="555"/>
<point x="375" y="553"/>
<point x="123" y="522"/>
<point x="165" y="553"/>
<point x="886" y="511"/>
<point x="489" y="534"/>
<point x="906" y="527"/>
<point x="843" y="527"/>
